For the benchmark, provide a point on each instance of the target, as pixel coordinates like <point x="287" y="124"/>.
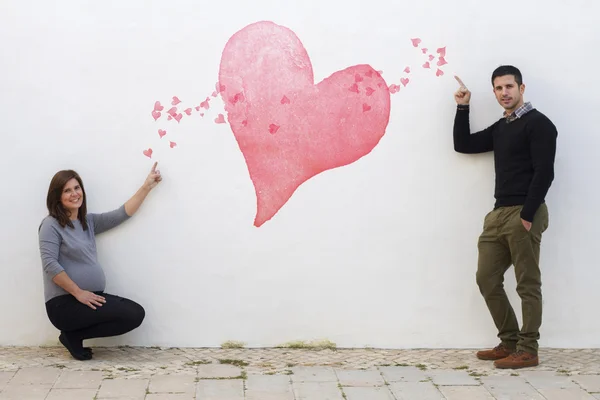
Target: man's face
<point x="508" y="93"/>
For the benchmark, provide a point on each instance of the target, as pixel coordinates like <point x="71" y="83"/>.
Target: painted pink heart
<point x="426" y="65"/>
<point x="148" y="153"/>
<point x="441" y="61"/>
<point x="161" y="133"/>
<point x="404" y="81"/>
<point x="172" y="144"/>
<point x="407" y="70"/>
<point x="394" y="88"/>
<point x="188" y="111"/>
<point x="175" y="101"/>
<point x="158" y="106"/>
<point x="439" y="72"/>
<point x="220" y="119"/>
<point x="442" y="51"/>
<point x="328" y="125"/>
<point x="156" y="115"/>
<point x="369" y="91"/>
<point x="172" y="111"/>
<point x="424" y="50"/>
<point x="285" y="100"/>
<point x="178" y="117"/>
<point x="416" y="41"/>
<point x="431" y="57"/>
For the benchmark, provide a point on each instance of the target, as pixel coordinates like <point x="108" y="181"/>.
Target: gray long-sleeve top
<point x="73" y="250"/>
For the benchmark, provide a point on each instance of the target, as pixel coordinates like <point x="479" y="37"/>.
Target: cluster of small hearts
<point x="174" y="113"/>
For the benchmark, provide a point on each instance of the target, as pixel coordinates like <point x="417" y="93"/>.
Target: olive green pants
<point x="505" y="242"/>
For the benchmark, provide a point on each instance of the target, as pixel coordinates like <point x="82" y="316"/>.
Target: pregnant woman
<point x="74" y="281"/>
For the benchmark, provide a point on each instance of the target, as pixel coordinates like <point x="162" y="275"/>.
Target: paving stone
<point x="591" y="383"/>
<point x="4" y="378"/>
<point x="269" y="387"/>
<point x="548" y="380"/>
<point x="39" y="375"/>
<point x="451" y="378"/>
<point x="465" y="393"/>
<point x="415" y="391"/>
<point x="313" y="374"/>
<point x="123" y="388"/>
<point x="510" y="388"/>
<point x="359" y="377"/>
<point x="228" y="389"/>
<point x="218" y="371"/>
<point x="368" y="393"/>
<point x="171" y="396"/>
<point x="72" y="394"/>
<point x="402" y="374"/>
<point x="25" y="392"/>
<point x="79" y="380"/>
<point x="566" y="394"/>
<point x="317" y="391"/>
<point x="172" y="384"/>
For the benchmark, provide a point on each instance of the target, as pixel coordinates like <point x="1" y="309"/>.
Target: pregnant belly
<point x="89" y="278"/>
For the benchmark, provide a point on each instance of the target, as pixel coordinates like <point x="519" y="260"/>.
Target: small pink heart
<point x="358" y="78"/>
<point x="156" y="115"/>
<point x="188" y="111"/>
<point x="439" y="72"/>
<point x="407" y="70"/>
<point x="220" y="88"/>
<point x="285" y="100"/>
<point x="202" y="114"/>
<point x="220" y="119"/>
<point x="369" y="73"/>
<point x="426" y="65"/>
<point x="161" y="133"/>
<point x="424" y="50"/>
<point x="245" y="122"/>
<point x="404" y="81"/>
<point x="441" y="61"/>
<point x="172" y="144"/>
<point x="214" y="94"/>
<point x="366" y="107"/>
<point x="197" y="108"/>
<point x="442" y="51"/>
<point x="175" y="101"/>
<point x="353" y="88"/>
<point x="369" y="91"/>
<point x="178" y="117"/>
<point x="273" y="128"/>
<point x="158" y="107"/>
<point x="148" y="153"/>
<point x="205" y="104"/>
<point x="431" y="57"/>
<point x="172" y="112"/>
<point x="416" y="42"/>
<point x="394" y="88"/>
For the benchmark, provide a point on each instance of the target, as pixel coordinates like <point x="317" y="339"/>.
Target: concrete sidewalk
<point x="49" y="373"/>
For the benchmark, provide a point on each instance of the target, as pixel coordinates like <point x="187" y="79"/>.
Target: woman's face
<point x="72" y="196"/>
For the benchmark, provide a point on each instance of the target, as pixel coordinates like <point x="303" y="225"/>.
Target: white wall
<point x="381" y="252"/>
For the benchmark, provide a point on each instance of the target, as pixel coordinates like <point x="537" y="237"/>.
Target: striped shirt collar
<point x="519" y="112"/>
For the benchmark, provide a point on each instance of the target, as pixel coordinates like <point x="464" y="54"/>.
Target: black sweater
<point x="524" y="151"/>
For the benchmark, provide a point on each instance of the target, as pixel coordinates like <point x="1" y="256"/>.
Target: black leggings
<point x="116" y="317"/>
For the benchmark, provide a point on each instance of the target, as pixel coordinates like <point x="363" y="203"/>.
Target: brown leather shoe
<point x="518" y="359"/>
<point x="497" y="353"/>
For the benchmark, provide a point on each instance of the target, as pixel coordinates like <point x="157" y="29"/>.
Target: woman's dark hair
<point x="54" y="204"/>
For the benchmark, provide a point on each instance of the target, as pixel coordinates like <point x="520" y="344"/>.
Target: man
<point x="524" y="146"/>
